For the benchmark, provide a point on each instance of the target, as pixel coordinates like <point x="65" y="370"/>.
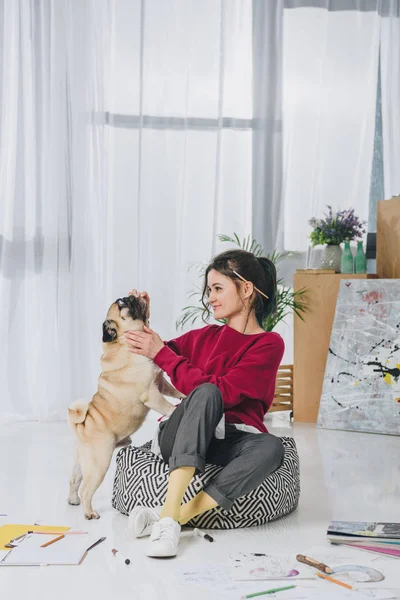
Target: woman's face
<point x="223" y="296"/>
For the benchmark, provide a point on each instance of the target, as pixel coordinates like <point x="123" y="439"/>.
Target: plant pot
<point x="331" y="257"/>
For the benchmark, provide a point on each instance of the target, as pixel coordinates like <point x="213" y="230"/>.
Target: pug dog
<point x="128" y="387"/>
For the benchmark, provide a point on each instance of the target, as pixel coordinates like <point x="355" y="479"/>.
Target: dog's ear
<point x="109" y="331"/>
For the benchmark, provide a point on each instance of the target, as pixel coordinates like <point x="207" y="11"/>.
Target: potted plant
<point x="331" y="231"/>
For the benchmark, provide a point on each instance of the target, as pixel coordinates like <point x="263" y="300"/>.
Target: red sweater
<point x="243" y="367"/>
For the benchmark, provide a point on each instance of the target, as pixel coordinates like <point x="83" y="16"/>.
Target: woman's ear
<point x="248" y="289"/>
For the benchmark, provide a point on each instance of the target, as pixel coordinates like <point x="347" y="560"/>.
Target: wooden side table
<point x="312" y="337"/>
<point x="388" y="238"/>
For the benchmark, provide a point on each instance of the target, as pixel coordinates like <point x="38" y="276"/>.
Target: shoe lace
<point x="163" y="531"/>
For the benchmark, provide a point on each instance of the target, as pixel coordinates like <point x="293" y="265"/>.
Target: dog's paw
<point x="74" y="500"/>
<point x="93" y="515"/>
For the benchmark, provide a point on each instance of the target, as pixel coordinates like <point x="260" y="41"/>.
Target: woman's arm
<point x="249" y="378"/>
<point x="148" y="343"/>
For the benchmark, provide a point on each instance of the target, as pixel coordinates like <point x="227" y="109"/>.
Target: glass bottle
<point x="346" y="264"/>
<point x="360" y="261"/>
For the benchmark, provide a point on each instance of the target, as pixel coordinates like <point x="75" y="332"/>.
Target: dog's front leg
<point x="169" y="390"/>
<point x="155" y="400"/>
<point x="166" y="388"/>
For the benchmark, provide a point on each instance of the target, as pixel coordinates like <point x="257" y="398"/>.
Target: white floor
<point x="344" y="476"/>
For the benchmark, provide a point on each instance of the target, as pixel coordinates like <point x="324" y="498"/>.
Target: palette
<point x="357" y="574"/>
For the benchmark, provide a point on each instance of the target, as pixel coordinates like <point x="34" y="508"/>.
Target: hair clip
<point x="245" y="280"/>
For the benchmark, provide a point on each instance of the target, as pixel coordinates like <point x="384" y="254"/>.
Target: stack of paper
<point x="383" y="538"/>
<point x="27" y="549"/>
<point x="68" y="551"/>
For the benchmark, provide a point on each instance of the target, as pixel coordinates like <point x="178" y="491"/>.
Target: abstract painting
<point x="361" y="390"/>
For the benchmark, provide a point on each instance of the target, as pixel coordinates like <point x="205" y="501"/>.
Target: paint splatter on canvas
<point x="361" y="389"/>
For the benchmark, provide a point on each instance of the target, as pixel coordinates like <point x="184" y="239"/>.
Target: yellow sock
<point x="199" y="504"/>
<point x="179" y="480"/>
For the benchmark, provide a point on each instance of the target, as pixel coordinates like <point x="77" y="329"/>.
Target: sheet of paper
<point x="342" y="555"/>
<point x="67" y="551"/>
<point x="257" y="567"/>
<point x="11" y="531"/>
<point x="340" y="593"/>
<point x="218" y="580"/>
<point x="215" y="578"/>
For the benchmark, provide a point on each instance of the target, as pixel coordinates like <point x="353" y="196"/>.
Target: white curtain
<point x="180" y="136"/>
<point x="390" y="77"/>
<point x="126" y="146"/>
<point x="331" y="51"/>
<point x="53" y="211"/>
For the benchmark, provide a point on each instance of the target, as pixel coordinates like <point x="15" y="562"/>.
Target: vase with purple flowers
<point x="331" y="231"/>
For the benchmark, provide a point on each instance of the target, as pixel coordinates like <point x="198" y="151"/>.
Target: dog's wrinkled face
<point x="124" y="314"/>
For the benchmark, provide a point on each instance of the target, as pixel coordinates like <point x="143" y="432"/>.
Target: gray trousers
<point x="187" y="440"/>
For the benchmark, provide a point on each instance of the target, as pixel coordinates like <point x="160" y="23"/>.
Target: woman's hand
<point x="146" y="343"/>
<point x="142" y="295"/>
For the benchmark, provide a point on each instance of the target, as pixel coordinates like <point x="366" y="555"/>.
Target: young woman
<point x="227" y="373"/>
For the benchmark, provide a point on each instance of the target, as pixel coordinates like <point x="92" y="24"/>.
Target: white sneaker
<point x="142" y="519"/>
<point x="164" y="539"/>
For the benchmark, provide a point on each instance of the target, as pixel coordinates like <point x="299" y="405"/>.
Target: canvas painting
<point x="361" y="390"/>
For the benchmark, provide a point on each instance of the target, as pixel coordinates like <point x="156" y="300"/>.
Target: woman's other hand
<point x="146" y="343"/>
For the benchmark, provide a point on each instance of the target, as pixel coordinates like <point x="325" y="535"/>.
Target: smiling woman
<point x="227" y="374"/>
<point x="253" y="279"/>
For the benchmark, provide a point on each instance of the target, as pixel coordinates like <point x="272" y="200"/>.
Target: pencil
<point x="281" y="589"/>
<point x="92" y="546"/>
<point x="60" y="537"/>
<point x="346" y="585"/>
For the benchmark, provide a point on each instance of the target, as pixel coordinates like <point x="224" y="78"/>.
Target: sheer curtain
<point x="53" y="211"/>
<point x="180" y="135"/>
<point x="126" y="146"/>
<point x="331" y="51"/>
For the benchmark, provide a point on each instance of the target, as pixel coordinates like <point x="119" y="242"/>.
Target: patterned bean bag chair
<point x="141" y="479"/>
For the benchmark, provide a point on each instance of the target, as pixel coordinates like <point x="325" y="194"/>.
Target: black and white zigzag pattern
<point x="141" y="479"/>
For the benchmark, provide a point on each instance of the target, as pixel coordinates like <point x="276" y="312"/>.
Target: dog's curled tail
<point x="77" y="411"/>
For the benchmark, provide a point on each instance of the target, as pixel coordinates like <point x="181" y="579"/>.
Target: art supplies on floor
<point x="370" y="579"/>
<point x="367" y="573"/>
<point x="11" y="531"/>
<point x="382" y="538"/>
<point x="263" y="567"/>
<point x="30" y="545"/>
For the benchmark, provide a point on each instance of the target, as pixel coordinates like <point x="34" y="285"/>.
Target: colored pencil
<point x="60" y="537"/>
<point x="345" y="585"/>
<point x="281" y="589"/>
<point x="92" y="546"/>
